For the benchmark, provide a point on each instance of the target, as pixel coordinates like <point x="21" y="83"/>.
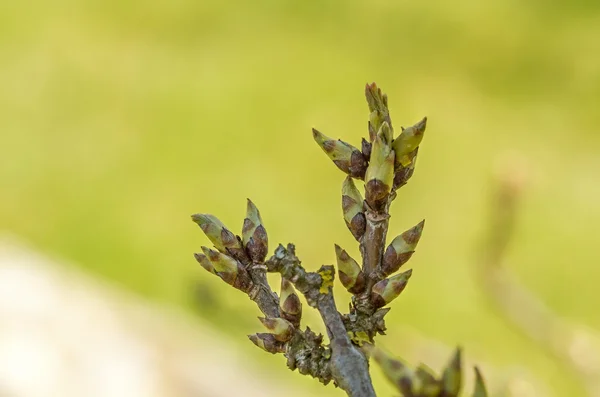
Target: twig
<point x="385" y="164"/>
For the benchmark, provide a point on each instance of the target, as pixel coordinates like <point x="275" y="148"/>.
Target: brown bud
<point x="289" y="303"/>
<point x="379" y="177"/>
<point x="205" y="263"/>
<point x="254" y="234"/>
<point x="387" y="290"/>
<point x="352" y="207"/>
<point x="352" y="278"/>
<point x="401" y="249"/>
<point x="267" y="342"/>
<point x="281" y="329"/>
<point x="345" y="156"/>
<point x="229" y="269"/>
<point x="403" y="174"/>
<point x="223" y="239"/>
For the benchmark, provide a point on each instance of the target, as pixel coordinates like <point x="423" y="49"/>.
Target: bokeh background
<point x="119" y="119"/>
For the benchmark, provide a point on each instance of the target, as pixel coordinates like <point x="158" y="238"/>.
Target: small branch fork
<point x="385" y="164"/>
<point x="349" y="367"/>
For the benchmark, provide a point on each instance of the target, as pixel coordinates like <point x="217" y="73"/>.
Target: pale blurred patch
<point x="65" y="334"/>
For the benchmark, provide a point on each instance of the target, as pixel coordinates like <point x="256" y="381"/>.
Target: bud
<point x="254" y="234"/>
<point x="395" y="370"/>
<point x="365" y="147"/>
<point x="452" y="376"/>
<point x="352" y="278"/>
<point x="403" y="174"/>
<point x="376" y="118"/>
<point x="281" y="329"/>
<point x="267" y="342"/>
<point x="224" y="240"/>
<point x="205" y="263"/>
<point x="345" y="156"/>
<point x="229" y="269"/>
<point x="352" y="206"/>
<point x="378" y="319"/>
<point x="480" y="390"/>
<point x="378" y="106"/>
<point x="408" y="141"/>
<point x="425" y="382"/>
<point x="289" y="303"/>
<point x="387" y="133"/>
<point x="401" y="249"/>
<point x="387" y="290"/>
<point x="376" y="99"/>
<point x="380" y="173"/>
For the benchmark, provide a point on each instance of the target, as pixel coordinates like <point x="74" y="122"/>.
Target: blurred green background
<point x="119" y="119"/>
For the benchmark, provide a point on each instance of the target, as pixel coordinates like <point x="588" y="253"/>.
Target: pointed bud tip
<point x="198" y="218"/>
<point x="206" y="250"/>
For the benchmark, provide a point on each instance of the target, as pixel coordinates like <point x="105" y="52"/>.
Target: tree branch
<point x="349" y="367"/>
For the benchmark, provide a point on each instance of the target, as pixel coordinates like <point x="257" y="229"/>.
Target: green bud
<point x="386" y="132"/>
<point x="401" y="249"/>
<point x="352" y="278"/>
<point x="408" y="141"/>
<point x="352" y="206"/>
<point x="376" y="99"/>
<point x="395" y="370"/>
<point x="229" y="269"/>
<point x="480" y="390"/>
<point x="345" y="156"/>
<point x="379" y="177"/>
<point x="205" y="263"/>
<point x="254" y="234"/>
<point x="452" y="376"/>
<point x="378" y="106"/>
<point x="289" y="303"/>
<point x="267" y="342"/>
<point x="281" y="329"/>
<point x="387" y="290"/>
<point x="376" y="118"/>
<point x="223" y="240"/>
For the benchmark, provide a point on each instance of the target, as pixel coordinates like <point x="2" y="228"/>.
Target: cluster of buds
<point x="233" y="256"/>
<point x="387" y="162"/>
<point x="281" y="329"/>
<point x="384" y="163"/>
<point x="422" y="382"/>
